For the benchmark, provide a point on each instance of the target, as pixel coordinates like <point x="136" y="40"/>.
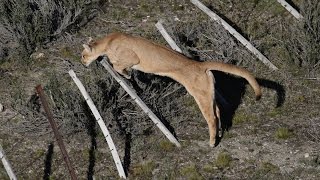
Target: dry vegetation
<point x="277" y="137"/>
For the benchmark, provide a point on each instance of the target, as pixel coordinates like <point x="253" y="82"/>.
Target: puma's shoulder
<point x="111" y="38"/>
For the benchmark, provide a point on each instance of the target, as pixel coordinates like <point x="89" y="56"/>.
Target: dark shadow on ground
<point x="146" y="80"/>
<point x="233" y="88"/>
<point x="127" y="153"/>
<point x="124" y="127"/>
<point x="91" y="130"/>
<point x="229" y="89"/>
<point x="281" y="92"/>
<point x="230" y="22"/>
<point x="293" y="5"/>
<point x="48" y="162"/>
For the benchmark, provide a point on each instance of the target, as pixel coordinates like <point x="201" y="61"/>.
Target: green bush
<point x="223" y="160"/>
<point x="191" y="172"/>
<point x="283" y="133"/>
<point x="144" y="170"/>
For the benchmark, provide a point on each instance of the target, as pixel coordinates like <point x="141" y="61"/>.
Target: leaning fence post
<point x="138" y="100"/>
<point x="101" y="123"/>
<point x="289" y="8"/>
<point x="167" y="37"/>
<point x="56" y="132"/>
<point x="237" y="35"/>
<point x="7" y="165"/>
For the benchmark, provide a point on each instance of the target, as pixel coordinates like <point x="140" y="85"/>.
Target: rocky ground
<point x="276" y="137"/>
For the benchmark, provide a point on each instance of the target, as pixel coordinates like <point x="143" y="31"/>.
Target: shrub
<point x="27" y="24"/>
<point x="191" y="172"/>
<point x="166" y="146"/>
<point x="283" y="133"/>
<point x="143" y="170"/>
<point x="302" y="40"/>
<point x="223" y="160"/>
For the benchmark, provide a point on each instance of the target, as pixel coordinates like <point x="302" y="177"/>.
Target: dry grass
<point x="27" y="25"/>
<point x="303" y="39"/>
<point x="141" y="145"/>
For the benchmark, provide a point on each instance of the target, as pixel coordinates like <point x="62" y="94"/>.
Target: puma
<point x="126" y="52"/>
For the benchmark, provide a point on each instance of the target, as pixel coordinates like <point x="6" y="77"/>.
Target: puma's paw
<point x="127" y="76"/>
<point x="212" y="143"/>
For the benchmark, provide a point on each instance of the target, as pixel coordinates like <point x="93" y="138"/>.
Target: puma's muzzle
<point x="85" y="63"/>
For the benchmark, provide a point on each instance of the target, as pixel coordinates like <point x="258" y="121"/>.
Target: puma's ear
<point x="86" y="47"/>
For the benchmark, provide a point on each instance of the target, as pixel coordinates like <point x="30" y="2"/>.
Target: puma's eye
<point x="83" y="56"/>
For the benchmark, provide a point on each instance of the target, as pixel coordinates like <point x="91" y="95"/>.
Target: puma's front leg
<point x="123" y="71"/>
<point x="126" y="58"/>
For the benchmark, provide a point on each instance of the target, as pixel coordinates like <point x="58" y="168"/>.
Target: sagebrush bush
<point x="302" y="40"/>
<point x="120" y="113"/>
<point x="27" y="24"/>
<point x="208" y="40"/>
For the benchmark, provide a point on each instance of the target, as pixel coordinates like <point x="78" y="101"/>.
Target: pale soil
<point x="255" y="150"/>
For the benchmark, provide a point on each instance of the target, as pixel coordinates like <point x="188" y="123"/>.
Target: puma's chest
<point x="113" y="55"/>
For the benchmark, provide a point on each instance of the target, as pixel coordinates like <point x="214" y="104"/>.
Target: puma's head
<point x="89" y="54"/>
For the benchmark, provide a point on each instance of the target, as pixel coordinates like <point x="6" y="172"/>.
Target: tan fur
<point x="126" y="52"/>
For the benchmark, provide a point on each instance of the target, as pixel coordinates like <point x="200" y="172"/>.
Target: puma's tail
<point x="232" y="69"/>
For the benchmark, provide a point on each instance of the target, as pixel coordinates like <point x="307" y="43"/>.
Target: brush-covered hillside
<point x="277" y="137"/>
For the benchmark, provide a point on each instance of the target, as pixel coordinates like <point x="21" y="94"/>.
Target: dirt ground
<point x="277" y="137"/>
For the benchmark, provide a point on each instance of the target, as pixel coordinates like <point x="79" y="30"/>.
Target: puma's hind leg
<point x="215" y="105"/>
<point x="202" y="91"/>
<point x="219" y="119"/>
<point x="206" y="107"/>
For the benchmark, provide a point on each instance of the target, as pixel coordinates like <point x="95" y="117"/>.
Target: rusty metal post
<point x="56" y="132"/>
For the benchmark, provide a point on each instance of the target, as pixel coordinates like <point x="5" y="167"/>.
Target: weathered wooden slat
<point x="138" y="100"/>
<point x="7" y="165"/>
<point x="289" y="8"/>
<point x="101" y="123"/>
<point x="167" y="37"/>
<point x="237" y="35"/>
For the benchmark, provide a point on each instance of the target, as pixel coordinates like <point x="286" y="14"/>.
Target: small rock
<point x="37" y="56"/>
<point x="1" y="107"/>
<point x="176" y="18"/>
<point x="40" y="55"/>
<point x="306" y="155"/>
